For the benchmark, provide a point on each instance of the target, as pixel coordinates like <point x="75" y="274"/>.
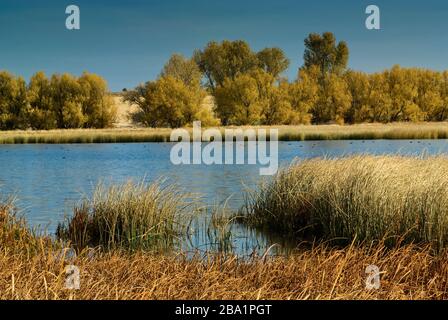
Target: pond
<point x="49" y="179"/>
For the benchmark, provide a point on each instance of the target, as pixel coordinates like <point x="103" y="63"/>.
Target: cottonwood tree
<point x="323" y="51"/>
<point x="333" y="102"/>
<point x="63" y="101"/>
<point x="237" y="101"/>
<point x="276" y="106"/>
<point x="330" y="58"/>
<point x="380" y="101"/>
<point x="441" y="113"/>
<point x="403" y="92"/>
<point x="175" y="99"/>
<point x="13" y="102"/>
<point x="225" y="60"/>
<point x="253" y="98"/>
<point x="67" y="101"/>
<point x="359" y="87"/>
<point x="429" y="93"/>
<point x="96" y="103"/>
<point x="42" y="115"/>
<point x="303" y="95"/>
<point x="273" y="61"/>
<point x="168" y="102"/>
<point x="183" y="69"/>
<point x="272" y="97"/>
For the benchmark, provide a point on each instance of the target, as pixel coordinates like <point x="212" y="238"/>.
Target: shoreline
<point x="393" y="131"/>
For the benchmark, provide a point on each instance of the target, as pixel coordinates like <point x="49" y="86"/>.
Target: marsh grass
<point x="219" y="229"/>
<point x="320" y="272"/>
<point x="363" y="198"/>
<point x="434" y="130"/>
<point x="84" y="136"/>
<point x="130" y="216"/>
<point x="15" y="236"/>
<point x="34" y="267"/>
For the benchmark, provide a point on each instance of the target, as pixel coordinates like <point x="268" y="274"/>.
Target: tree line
<point x="61" y="101"/>
<point x="249" y="88"/>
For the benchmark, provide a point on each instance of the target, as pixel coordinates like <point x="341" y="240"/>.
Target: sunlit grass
<point x="320" y="272"/>
<point x="364" y="198"/>
<point x="130" y="216"/>
<point x="435" y="130"/>
<point x="15" y="235"/>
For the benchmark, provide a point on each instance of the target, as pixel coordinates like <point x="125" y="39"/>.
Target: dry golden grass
<point x="435" y="130"/>
<point x="396" y="198"/>
<point x="32" y="267"/>
<point x="85" y="136"/>
<point x="318" y="273"/>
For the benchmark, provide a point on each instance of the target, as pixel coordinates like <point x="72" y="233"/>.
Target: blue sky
<point x="127" y="42"/>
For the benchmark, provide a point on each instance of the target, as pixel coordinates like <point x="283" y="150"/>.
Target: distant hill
<point x="126" y="113"/>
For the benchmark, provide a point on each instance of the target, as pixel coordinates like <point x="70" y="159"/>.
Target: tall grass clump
<point x="15" y="236"/>
<point x="130" y="216"/>
<point x="364" y="198"/>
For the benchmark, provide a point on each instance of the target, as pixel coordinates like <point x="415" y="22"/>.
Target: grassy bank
<point x="436" y="130"/>
<point x="363" y="198"/>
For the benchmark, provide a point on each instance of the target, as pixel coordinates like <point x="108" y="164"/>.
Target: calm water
<point x="49" y="179"/>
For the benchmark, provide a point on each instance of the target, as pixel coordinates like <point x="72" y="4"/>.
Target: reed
<point x="219" y="230"/>
<point x="364" y="198"/>
<point x="318" y="273"/>
<point x="15" y="236"/>
<point x="130" y="216"/>
<point x="34" y="267"/>
<point x="434" y="130"/>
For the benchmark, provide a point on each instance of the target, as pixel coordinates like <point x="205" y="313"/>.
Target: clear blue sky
<point x="127" y="42"/>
